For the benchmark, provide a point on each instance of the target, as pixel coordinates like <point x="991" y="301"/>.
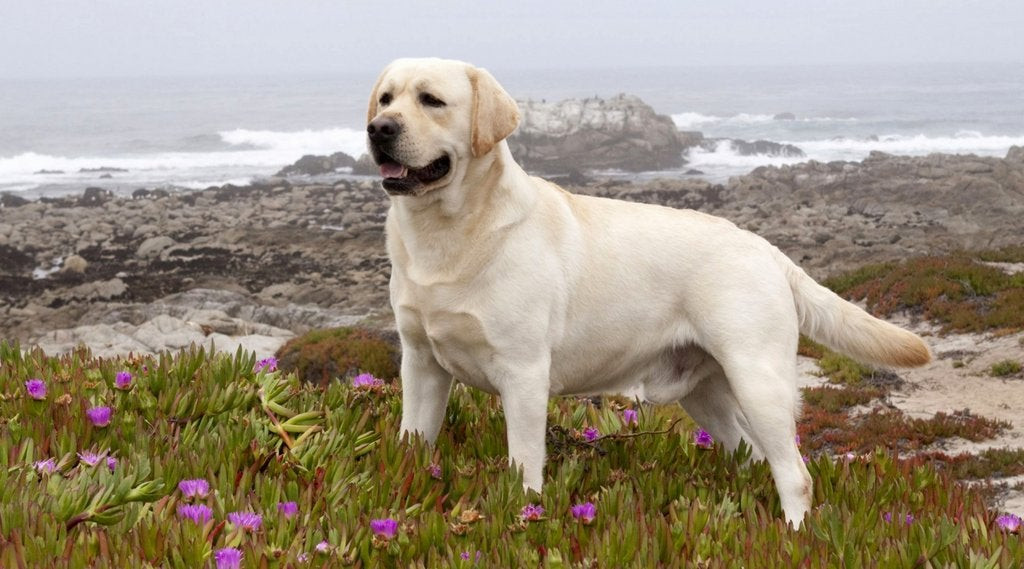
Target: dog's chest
<point x="453" y="331"/>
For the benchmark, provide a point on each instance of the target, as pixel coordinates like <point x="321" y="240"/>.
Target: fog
<point x="71" y="38"/>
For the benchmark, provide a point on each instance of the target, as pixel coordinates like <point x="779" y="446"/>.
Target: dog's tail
<point x="844" y="327"/>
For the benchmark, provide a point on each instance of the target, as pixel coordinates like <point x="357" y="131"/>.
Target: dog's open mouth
<point x="399" y="179"/>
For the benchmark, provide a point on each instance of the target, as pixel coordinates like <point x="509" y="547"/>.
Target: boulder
<point x="310" y="165"/>
<point x="93" y="197"/>
<point x="765" y="147"/>
<point x="622" y="133"/>
<point x="784" y="117"/>
<point x="1015" y="154"/>
<point x="152" y="248"/>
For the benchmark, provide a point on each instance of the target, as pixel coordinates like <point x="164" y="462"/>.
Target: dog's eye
<point x="385" y="99"/>
<point x="431" y="101"/>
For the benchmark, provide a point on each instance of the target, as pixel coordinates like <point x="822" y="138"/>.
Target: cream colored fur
<point x="507" y="283"/>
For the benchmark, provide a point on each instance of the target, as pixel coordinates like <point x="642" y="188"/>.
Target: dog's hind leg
<point x="765" y="389"/>
<point x="714" y="407"/>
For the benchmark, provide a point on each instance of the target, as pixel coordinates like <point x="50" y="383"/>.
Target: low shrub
<point x="324" y="355"/>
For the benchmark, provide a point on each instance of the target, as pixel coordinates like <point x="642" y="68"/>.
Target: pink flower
<point x="194" y="488"/>
<point x="246" y="520"/>
<point x="1009" y="522"/>
<point x="267" y="364"/>
<point x="100" y="416"/>
<point x="111" y="463"/>
<point x="123" y="380"/>
<point x="198" y="513"/>
<point x="48" y="466"/>
<point x="591" y="434"/>
<point x="435" y="470"/>
<point x="630" y="417"/>
<point x="703" y="439"/>
<point x="228" y="558"/>
<point x="288" y="509"/>
<point x="90" y="458"/>
<point x="385" y="528"/>
<point x="366" y="380"/>
<point x="36" y="389"/>
<point x="323" y="546"/>
<point x="585" y="512"/>
<point x="532" y="512"/>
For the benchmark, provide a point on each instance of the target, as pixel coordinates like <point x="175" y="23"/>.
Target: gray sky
<point x="60" y="38"/>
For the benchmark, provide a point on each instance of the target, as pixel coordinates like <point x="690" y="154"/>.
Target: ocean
<point x="194" y="132"/>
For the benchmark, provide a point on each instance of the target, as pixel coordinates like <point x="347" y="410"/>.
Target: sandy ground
<point x="943" y="386"/>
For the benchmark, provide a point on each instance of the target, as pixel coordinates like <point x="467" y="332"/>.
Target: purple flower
<point x="532" y="512"/>
<point x="323" y="546"/>
<point x="90" y="458"/>
<point x="36" y="389"/>
<point x="590" y="434"/>
<point x="246" y="520"/>
<point x="100" y="416"/>
<point x="435" y="470"/>
<point x="629" y="416"/>
<point x="288" y="509"/>
<point x="909" y="519"/>
<point x="198" y="513"/>
<point x="703" y="439"/>
<point x="266" y="364"/>
<point x="196" y="487"/>
<point x="123" y="380"/>
<point x="385" y="528"/>
<point x="887" y="516"/>
<point x="302" y="557"/>
<point x="111" y="463"/>
<point x="48" y="466"/>
<point x="228" y="558"/>
<point x="464" y="556"/>
<point x="366" y="380"/>
<point x="1009" y="522"/>
<point x="584" y="512"/>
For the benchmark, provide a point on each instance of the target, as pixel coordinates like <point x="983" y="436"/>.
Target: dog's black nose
<point x="383" y="129"/>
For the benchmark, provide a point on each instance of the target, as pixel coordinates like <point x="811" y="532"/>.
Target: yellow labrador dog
<point x="510" y="284"/>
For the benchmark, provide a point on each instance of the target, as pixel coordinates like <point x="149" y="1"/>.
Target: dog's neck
<point x="451" y="229"/>
<point x="489" y="194"/>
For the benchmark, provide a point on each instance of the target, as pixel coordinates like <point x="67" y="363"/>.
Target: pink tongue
<point x="392" y="170"/>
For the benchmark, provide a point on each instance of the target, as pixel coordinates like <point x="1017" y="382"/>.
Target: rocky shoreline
<point x="253" y="265"/>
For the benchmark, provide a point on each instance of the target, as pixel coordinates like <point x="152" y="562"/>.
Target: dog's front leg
<point x="425" y="389"/>
<point x="525" y="402"/>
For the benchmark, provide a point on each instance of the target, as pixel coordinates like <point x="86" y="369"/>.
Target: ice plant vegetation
<point x="36" y="389"/>
<point x="100" y="416"/>
<point x="201" y="435"/>
<point x="630" y="417"/>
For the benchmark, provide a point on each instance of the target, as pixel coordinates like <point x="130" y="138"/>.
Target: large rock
<point x="310" y="165"/>
<point x="622" y="133"/>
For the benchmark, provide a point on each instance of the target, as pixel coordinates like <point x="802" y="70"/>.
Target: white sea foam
<point x="723" y="161"/>
<point x="246" y="153"/>
<point x="698" y="121"/>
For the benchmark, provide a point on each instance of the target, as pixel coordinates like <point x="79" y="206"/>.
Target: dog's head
<point x="428" y="118"/>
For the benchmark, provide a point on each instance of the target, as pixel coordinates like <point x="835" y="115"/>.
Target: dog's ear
<point x="495" y="113"/>
<point x="371" y="110"/>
